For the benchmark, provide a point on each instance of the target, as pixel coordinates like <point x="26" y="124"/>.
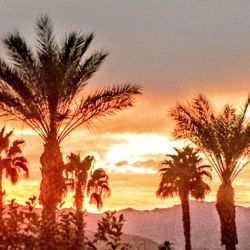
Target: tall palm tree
<point x="183" y="176"/>
<point x="77" y="179"/>
<point x="45" y="91"/>
<point x="225" y="139"/>
<point x="12" y="162"/>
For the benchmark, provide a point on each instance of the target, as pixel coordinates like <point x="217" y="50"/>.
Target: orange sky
<point x="131" y="156"/>
<point x="174" y="49"/>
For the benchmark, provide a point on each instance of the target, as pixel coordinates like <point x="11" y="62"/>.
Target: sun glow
<point x="140" y="145"/>
<point x="128" y="158"/>
<point x="131" y="169"/>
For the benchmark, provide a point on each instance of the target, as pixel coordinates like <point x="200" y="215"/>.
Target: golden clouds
<point x="130" y="157"/>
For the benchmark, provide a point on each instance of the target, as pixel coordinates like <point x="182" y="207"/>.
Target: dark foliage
<point x="166" y="246"/>
<point x="82" y="178"/>
<point x="24" y="229"/>
<point x="43" y="87"/>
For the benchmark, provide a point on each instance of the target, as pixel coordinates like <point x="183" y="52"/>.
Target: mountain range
<point x="147" y="229"/>
<point x="163" y="224"/>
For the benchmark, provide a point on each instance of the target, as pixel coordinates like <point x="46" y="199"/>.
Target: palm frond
<point x="91" y="65"/>
<point x="15" y="148"/>
<point x="223" y="137"/>
<point x="13" y="106"/>
<point x="20" y="163"/>
<point x="41" y="88"/>
<point x="166" y="191"/>
<point x="13" y="79"/>
<point x="12" y="175"/>
<point x="182" y="173"/>
<point x="96" y="200"/>
<point x="13" y="163"/>
<point x="106" y="191"/>
<point x="75" y="76"/>
<point x="102" y="103"/>
<point x="5" y="139"/>
<point x="47" y="46"/>
<point x="199" y="190"/>
<point x="22" y="56"/>
<point x="74" y="47"/>
<point x="10" y="171"/>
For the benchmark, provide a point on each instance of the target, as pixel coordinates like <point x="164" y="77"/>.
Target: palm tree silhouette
<point x="45" y="91"/>
<point x="98" y="187"/>
<point x="182" y="175"/>
<point x="76" y="175"/>
<point x="78" y="180"/>
<point x="225" y="140"/>
<point x="12" y="162"/>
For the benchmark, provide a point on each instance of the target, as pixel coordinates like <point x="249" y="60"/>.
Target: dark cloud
<point x="150" y="163"/>
<point x="121" y="163"/>
<point x="85" y="142"/>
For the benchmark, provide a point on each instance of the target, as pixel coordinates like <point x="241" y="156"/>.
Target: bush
<point x="24" y="229"/>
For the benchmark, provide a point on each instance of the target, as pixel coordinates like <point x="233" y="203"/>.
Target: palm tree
<point x="182" y="175"/>
<point x="45" y="91"/>
<point x="225" y="140"/>
<point x="77" y="179"/>
<point x="12" y="163"/>
<point x="76" y="176"/>
<point x="98" y="187"/>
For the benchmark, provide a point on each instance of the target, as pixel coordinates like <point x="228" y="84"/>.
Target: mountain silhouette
<point x="147" y="228"/>
<point x="166" y="224"/>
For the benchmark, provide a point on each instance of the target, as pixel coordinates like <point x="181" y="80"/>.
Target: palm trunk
<point x="186" y="220"/>
<point x="1" y="208"/>
<point x="51" y="189"/>
<point x="1" y="203"/>
<point x="226" y="210"/>
<point x="52" y="185"/>
<point x="79" y="197"/>
<point x="1" y="196"/>
<point x="79" y="244"/>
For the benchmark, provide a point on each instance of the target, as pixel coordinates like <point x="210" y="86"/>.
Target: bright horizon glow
<point x="132" y="164"/>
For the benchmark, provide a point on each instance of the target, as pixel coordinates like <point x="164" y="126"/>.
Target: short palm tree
<point x="76" y="176"/>
<point x="98" y="187"/>
<point x="183" y="176"/>
<point x="77" y="179"/>
<point x="225" y="140"/>
<point x="45" y="91"/>
<point x="12" y="162"/>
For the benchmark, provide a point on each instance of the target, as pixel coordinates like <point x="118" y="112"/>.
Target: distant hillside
<point x="136" y="242"/>
<point x="143" y="228"/>
<point x="166" y="224"/>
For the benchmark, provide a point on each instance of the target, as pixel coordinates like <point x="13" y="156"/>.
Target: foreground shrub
<point x="24" y="229"/>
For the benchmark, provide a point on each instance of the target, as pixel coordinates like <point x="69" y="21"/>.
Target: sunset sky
<point x="174" y="50"/>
